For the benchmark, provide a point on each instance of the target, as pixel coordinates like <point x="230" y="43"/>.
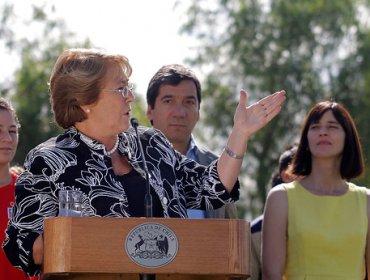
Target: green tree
<point x="139" y="110"/>
<point x="29" y="89"/>
<point x="313" y="49"/>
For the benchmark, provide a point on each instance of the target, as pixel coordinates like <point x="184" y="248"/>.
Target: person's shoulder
<point x="281" y="189"/>
<point x="277" y="202"/>
<point x="144" y="131"/>
<point x="147" y="134"/>
<point x="278" y="193"/>
<point x="207" y="152"/>
<point x="354" y="187"/>
<point x="39" y="155"/>
<point x="46" y="145"/>
<point x="360" y="190"/>
<point x="205" y="155"/>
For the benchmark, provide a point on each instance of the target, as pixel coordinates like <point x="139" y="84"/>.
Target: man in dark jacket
<point x="173" y="99"/>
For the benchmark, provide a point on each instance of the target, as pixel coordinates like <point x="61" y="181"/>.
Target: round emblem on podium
<point x="151" y="245"/>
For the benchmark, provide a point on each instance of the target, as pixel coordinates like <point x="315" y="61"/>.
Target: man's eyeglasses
<point x="123" y="90"/>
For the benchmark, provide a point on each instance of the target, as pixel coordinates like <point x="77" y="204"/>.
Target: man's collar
<point x="192" y="144"/>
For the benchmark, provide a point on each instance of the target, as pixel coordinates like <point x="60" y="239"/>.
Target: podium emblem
<point x="151" y="245"/>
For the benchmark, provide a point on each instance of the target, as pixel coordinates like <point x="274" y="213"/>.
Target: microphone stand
<point x="148" y="201"/>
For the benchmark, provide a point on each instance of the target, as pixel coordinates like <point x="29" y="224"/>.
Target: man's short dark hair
<point x="171" y="74"/>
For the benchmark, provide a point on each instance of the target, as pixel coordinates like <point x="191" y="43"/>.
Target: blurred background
<point x="313" y="49"/>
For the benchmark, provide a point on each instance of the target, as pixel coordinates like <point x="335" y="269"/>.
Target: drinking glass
<point x="70" y="203"/>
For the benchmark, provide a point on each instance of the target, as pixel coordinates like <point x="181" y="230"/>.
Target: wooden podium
<point x="99" y="248"/>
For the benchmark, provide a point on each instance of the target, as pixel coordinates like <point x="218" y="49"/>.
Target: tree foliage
<point x="313" y="49"/>
<point x="45" y="37"/>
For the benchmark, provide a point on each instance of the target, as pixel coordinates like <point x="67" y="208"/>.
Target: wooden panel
<point x="97" y="245"/>
<point x="87" y="276"/>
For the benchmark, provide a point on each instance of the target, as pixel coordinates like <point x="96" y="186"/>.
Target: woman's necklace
<point x="114" y="147"/>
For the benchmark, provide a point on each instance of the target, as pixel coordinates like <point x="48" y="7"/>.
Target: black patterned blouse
<point x="74" y="161"/>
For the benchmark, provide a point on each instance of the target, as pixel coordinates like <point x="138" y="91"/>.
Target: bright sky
<point x="145" y="31"/>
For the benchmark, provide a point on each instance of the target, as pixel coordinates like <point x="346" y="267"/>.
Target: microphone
<point x="148" y="201"/>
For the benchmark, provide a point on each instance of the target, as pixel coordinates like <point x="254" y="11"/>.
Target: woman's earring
<point x="87" y="111"/>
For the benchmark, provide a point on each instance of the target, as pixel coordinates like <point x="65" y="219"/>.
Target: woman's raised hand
<point x="252" y="118"/>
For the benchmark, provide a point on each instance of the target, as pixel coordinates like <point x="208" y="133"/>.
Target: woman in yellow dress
<point x="317" y="227"/>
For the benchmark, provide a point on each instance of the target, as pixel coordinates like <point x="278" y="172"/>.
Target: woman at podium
<point x="111" y="162"/>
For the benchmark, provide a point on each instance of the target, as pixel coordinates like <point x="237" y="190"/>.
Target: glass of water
<point x="70" y="203"/>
